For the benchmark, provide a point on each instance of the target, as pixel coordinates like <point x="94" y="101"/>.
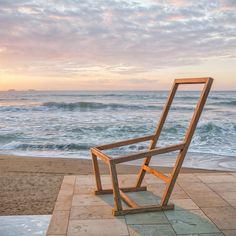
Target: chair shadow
<point x="163" y="223"/>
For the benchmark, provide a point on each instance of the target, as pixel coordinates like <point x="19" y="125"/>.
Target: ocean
<point x="68" y="123"/>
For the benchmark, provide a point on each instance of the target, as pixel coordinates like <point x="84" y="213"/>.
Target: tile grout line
<point x="71" y="204"/>
<point x="230" y="205"/>
<point x="201" y="207"/>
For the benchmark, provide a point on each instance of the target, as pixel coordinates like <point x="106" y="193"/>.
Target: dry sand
<point x="29" y="185"/>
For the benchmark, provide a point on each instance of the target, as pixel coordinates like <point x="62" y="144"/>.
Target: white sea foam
<point x="67" y="124"/>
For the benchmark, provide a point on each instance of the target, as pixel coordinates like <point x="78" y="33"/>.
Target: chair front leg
<point x="115" y="186"/>
<point x="96" y="172"/>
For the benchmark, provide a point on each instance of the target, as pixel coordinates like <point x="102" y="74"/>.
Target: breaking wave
<point x="230" y="103"/>
<point x="94" y="106"/>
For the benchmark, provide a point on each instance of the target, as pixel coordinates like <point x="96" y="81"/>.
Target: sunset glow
<point x="115" y="45"/>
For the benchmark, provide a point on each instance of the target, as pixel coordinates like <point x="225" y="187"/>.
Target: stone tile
<point x="151" y="179"/>
<point x="190" y="222"/>
<point x="59" y="222"/>
<point x="223" y="217"/>
<point x="147" y="218"/>
<point x="82" y="180"/>
<point x="187" y="178"/>
<point x="223" y="187"/>
<point x="86" y="189"/>
<point x="195" y="188"/>
<point x="217" y="178"/>
<point x="92" y="200"/>
<point x="64" y="205"/>
<point x="184" y="204"/>
<point x="91" y="212"/>
<point x="144" y="198"/>
<point x="230" y="197"/>
<point x="68" y="184"/>
<point x="212" y="173"/>
<point x="69" y="179"/>
<point x="159" y="188"/>
<point x="105" y="227"/>
<point x="211" y="234"/>
<point x="156" y="188"/>
<point x="128" y="180"/>
<point x="64" y="195"/>
<point x="56" y="235"/>
<point x="209" y="200"/>
<point x="85" y="180"/>
<point x="65" y="186"/>
<point x="151" y="230"/>
<point x="229" y="232"/>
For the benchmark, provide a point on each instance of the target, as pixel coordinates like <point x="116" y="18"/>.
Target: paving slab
<point x="190" y="222"/>
<point x="229" y="232"/>
<point x="147" y="218"/>
<point x="223" y="187"/>
<point x="223" y="217"/>
<point x="217" y="178"/>
<point x="105" y="227"/>
<point x="230" y="197"/>
<point x="158" y="189"/>
<point x="92" y="200"/>
<point x="151" y="230"/>
<point x="184" y="204"/>
<point x="144" y="198"/>
<point x="209" y="200"/>
<point x="91" y="212"/>
<point x="213" y="234"/>
<point x="188" y="178"/>
<point x="59" y="222"/>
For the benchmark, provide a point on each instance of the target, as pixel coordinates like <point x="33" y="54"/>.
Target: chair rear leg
<point x="170" y="186"/>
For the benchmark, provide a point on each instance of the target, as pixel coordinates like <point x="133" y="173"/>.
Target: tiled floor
<point x="205" y="204"/>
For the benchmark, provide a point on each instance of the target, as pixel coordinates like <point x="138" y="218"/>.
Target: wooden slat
<point x="128" y="189"/>
<point x="192" y="80"/>
<point x="125" y="142"/>
<point x="159" y="127"/>
<point x="128" y="200"/>
<point x="96" y="172"/>
<point x="115" y="186"/>
<point x="150" y="153"/>
<point x="141" y="209"/>
<point x="157" y="173"/>
<point x="101" y="155"/>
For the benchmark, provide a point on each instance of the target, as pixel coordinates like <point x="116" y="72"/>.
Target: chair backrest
<point x="197" y="113"/>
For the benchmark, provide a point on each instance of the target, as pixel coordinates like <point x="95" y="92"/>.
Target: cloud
<point x="67" y="37"/>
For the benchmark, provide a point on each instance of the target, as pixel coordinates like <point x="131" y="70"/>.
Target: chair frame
<point x="119" y="193"/>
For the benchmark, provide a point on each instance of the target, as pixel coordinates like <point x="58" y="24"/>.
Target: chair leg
<point x="173" y="178"/>
<point x="96" y="172"/>
<point x="115" y="186"/>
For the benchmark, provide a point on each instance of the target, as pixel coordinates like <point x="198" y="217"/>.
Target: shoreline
<point x="30" y="185"/>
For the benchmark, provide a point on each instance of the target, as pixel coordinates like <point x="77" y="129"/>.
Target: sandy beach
<point x="30" y="185"/>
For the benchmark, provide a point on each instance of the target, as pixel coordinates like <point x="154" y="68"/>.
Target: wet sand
<point x="30" y="185"/>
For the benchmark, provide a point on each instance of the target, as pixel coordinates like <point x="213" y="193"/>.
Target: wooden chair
<point x="119" y="193"/>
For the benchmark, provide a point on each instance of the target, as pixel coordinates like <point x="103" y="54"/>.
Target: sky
<point x="116" y="44"/>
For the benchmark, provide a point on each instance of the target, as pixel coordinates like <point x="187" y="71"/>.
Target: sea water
<point x="68" y="123"/>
